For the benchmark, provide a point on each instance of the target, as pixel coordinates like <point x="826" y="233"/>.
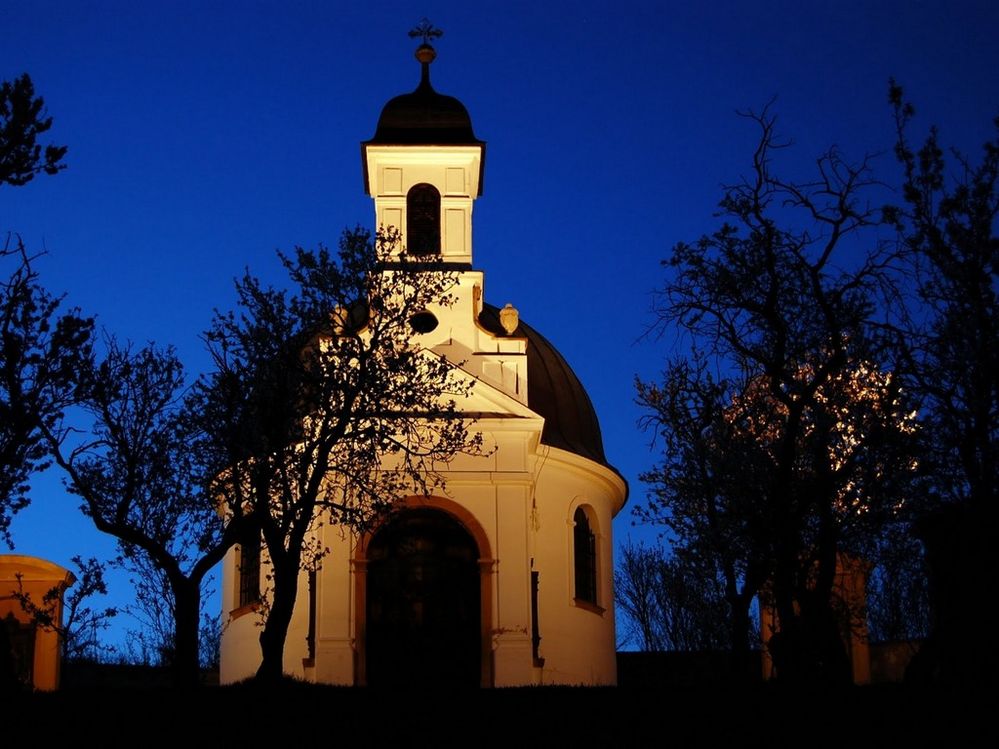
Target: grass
<point x="763" y="715"/>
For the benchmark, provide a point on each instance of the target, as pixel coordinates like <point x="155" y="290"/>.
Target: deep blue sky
<point x="203" y="136"/>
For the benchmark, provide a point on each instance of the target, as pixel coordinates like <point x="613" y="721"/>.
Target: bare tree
<point x="707" y="479"/>
<point x="323" y="409"/>
<point x="669" y="603"/>
<point x="38" y="347"/>
<point x="948" y="225"/>
<point x="153" y="642"/>
<point x="40" y="353"/>
<point x="808" y="433"/>
<point x="898" y="605"/>
<point x="143" y="480"/>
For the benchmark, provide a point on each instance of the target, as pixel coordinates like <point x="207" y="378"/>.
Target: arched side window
<point x="248" y="565"/>
<point x="584" y="547"/>
<point x="423" y="220"/>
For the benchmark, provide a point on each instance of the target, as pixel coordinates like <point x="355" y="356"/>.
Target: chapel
<point x="31" y="653"/>
<point x="507" y="581"/>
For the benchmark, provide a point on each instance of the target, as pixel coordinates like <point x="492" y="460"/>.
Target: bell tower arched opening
<point x="423" y="220"/>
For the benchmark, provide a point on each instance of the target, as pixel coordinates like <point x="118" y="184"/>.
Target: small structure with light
<point x="32" y="651"/>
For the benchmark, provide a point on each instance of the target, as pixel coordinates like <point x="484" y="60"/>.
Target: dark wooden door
<point x="423" y="623"/>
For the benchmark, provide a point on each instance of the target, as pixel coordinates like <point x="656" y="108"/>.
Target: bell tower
<point x="423" y="167"/>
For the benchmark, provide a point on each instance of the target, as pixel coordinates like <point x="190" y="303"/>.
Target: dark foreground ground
<point x="303" y="715"/>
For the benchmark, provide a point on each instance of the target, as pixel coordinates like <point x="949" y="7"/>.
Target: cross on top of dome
<point x="427" y="30"/>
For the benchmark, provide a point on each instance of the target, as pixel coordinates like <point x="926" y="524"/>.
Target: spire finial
<point x="425" y="53"/>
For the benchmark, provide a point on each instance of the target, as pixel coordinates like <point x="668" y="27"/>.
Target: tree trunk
<point x="828" y="619"/>
<point x="808" y="648"/>
<point x="739" y="635"/>
<point x="275" y="630"/>
<point x="187" y="622"/>
<point x="785" y="644"/>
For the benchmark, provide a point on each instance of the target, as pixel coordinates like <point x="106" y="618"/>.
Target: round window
<point x="423" y="322"/>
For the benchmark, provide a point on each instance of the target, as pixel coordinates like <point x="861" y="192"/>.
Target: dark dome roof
<point x="424" y="117"/>
<point x="555" y="392"/>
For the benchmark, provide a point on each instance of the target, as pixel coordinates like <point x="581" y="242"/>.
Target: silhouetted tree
<point x="802" y="436"/>
<point x="898" y="605"/>
<point x="670" y="603"/>
<point x="143" y="479"/>
<point x="322" y="409"/>
<point x="40" y="352"/>
<point x="948" y="223"/>
<point x="22" y="120"/>
<point x="152" y="643"/>
<point x="154" y="610"/>
<point x="703" y="485"/>
<point x="38" y="347"/>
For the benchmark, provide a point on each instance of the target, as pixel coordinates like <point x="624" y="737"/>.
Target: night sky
<point x="204" y="136"/>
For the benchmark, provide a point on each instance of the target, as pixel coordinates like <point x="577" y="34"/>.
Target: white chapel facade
<point x="507" y="581"/>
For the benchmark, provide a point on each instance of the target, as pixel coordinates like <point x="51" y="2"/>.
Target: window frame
<point x="247" y="591"/>
<point x="585" y="560"/>
<point x="423" y="220"/>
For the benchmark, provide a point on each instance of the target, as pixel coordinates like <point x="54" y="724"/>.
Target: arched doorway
<point x="423" y="602"/>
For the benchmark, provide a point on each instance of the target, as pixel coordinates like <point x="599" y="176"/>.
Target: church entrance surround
<point x="421" y="611"/>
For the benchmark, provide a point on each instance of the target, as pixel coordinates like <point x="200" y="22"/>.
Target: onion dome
<point x="424" y="117"/>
